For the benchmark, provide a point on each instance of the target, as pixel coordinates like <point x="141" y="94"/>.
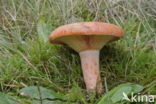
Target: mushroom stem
<point x="91" y="73"/>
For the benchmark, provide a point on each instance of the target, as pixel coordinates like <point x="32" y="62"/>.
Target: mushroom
<point x="87" y="38"/>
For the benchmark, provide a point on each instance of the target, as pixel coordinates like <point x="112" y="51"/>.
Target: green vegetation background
<point x="27" y="59"/>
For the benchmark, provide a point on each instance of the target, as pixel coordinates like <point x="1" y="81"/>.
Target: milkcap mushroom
<point x="87" y="38"/>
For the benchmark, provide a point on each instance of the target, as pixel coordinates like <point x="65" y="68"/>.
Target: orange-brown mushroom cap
<point x="86" y="28"/>
<point x="88" y="33"/>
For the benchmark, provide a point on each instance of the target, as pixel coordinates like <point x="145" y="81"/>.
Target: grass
<point x="26" y="57"/>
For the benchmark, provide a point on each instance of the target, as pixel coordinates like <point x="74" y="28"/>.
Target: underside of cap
<point x="86" y="35"/>
<point x="86" y="42"/>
